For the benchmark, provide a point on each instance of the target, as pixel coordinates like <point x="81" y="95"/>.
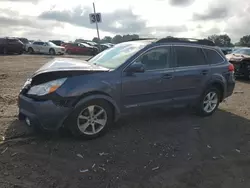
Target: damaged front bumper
<point x="45" y="115"/>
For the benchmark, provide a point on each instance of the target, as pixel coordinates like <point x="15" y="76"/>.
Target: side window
<point x="189" y="56"/>
<point x="213" y="57"/>
<point x="12" y="41"/>
<point x="156" y="58"/>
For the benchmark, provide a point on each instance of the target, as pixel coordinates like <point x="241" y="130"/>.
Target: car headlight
<point x="46" y="88"/>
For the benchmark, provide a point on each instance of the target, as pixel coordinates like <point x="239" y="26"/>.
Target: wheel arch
<point x="98" y="95"/>
<point x="220" y="86"/>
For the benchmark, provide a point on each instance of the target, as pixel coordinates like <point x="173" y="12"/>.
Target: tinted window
<point x="189" y="56"/>
<point x="12" y="40"/>
<point x="155" y="59"/>
<point x="38" y="43"/>
<point x="213" y="57"/>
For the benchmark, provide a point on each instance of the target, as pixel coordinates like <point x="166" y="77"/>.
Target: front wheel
<point x="209" y="102"/>
<point x="91" y="120"/>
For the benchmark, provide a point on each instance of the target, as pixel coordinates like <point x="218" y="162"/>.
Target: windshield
<point x="117" y="55"/>
<point x="50" y="44"/>
<point x="243" y="51"/>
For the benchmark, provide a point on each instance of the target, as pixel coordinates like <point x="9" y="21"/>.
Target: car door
<point x="152" y="87"/>
<point x="191" y="73"/>
<point x="44" y="48"/>
<point x="11" y="45"/>
<point x="35" y="47"/>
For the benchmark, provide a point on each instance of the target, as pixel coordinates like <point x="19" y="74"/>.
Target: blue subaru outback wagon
<point x="88" y="96"/>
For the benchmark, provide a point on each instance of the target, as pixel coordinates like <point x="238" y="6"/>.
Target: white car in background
<point x="45" y="48"/>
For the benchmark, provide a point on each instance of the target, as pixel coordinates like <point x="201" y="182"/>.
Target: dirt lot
<point x="156" y="148"/>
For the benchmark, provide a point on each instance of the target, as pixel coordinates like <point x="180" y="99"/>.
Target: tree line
<point x="219" y="40"/>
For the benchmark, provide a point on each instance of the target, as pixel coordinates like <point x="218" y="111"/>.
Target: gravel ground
<point x="158" y="148"/>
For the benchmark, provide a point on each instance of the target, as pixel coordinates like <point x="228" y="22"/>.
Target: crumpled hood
<point x="237" y="56"/>
<point x="68" y="64"/>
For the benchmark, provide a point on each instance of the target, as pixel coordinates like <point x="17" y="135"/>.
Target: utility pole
<point x="97" y="29"/>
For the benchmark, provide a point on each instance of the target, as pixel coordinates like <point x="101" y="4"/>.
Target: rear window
<point x="189" y="56"/>
<point x="213" y="57"/>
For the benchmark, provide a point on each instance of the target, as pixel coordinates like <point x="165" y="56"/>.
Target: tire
<point x="76" y="124"/>
<point x="5" y="51"/>
<point x="52" y="52"/>
<point x="21" y="52"/>
<point x="202" y="109"/>
<point x="30" y="50"/>
<point x="247" y="75"/>
<point x="68" y="52"/>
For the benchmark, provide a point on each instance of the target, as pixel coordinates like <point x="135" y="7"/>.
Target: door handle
<point x="167" y="76"/>
<point x="204" y="72"/>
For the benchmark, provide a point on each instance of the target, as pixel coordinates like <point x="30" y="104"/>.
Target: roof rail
<point x="142" y="39"/>
<point x="187" y="40"/>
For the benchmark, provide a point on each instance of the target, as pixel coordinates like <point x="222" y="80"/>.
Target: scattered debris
<point x="102" y="168"/>
<point x="79" y="155"/>
<point x="222" y="156"/>
<point x="215" y="158"/>
<point x="156" y="168"/>
<point x="4" y="150"/>
<point x="208" y="146"/>
<point x="238" y="92"/>
<point x="237" y="150"/>
<point x="83" y="171"/>
<point x="13" y="154"/>
<point x="93" y="166"/>
<point x="197" y="128"/>
<point x="101" y="154"/>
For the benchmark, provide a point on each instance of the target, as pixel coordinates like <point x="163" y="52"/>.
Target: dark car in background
<point x="240" y="58"/>
<point x="11" y="45"/>
<point x="80" y="48"/>
<point x="226" y="50"/>
<point x="57" y="42"/>
<point x="87" y="96"/>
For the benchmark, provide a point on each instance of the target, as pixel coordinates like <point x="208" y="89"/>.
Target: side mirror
<point x="136" y="67"/>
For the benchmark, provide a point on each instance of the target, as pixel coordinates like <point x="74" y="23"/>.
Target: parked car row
<point x="13" y="45"/>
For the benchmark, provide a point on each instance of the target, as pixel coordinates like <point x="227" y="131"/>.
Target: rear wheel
<point x="52" y="52"/>
<point x="91" y="119"/>
<point x="5" y="51"/>
<point x="209" y="102"/>
<point x="30" y="50"/>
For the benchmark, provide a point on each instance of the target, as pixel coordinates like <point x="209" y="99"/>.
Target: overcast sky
<point x="69" y="19"/>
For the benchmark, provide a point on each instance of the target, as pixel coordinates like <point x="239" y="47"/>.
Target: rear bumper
<point x="42" y="114"/>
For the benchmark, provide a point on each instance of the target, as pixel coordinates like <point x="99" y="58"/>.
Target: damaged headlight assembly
<point x="46" y="88"/>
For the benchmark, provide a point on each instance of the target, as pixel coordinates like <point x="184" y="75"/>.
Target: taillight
<point x="231" y="67"/>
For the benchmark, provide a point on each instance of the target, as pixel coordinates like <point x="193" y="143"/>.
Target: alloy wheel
<point x="92" y="120"/>
<point x="210" y="102"/>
